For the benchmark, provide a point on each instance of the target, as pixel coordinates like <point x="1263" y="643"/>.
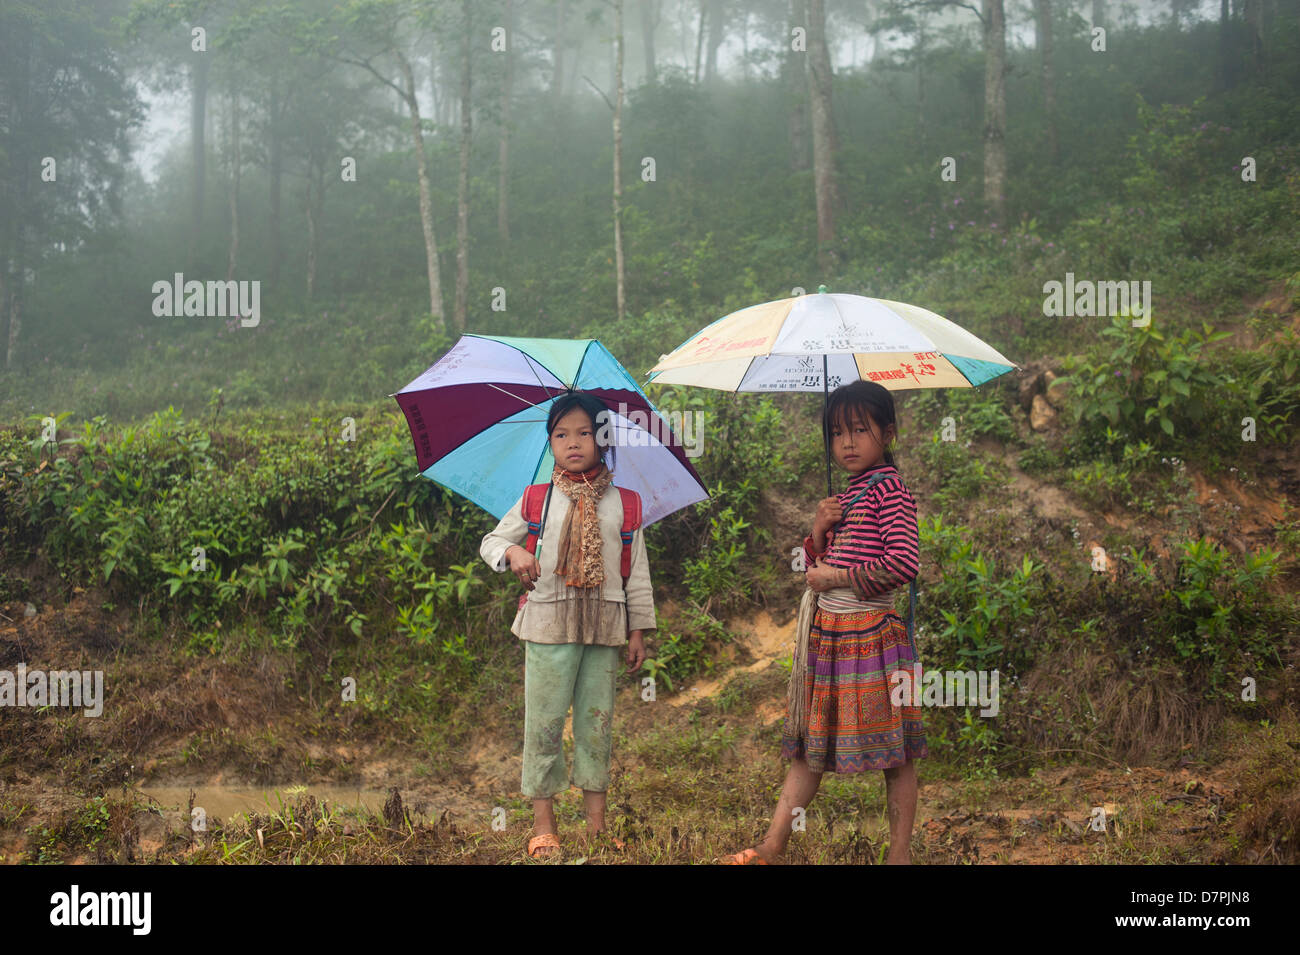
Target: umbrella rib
<point x="529" y="358"/>
<point x="531" y="362"/>
<point x="530" y="404"/>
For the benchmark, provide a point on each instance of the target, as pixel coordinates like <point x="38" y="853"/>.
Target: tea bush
<point x="1147" y="386"/>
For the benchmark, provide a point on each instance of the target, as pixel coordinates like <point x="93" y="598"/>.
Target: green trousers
<point x="555" y="676"/>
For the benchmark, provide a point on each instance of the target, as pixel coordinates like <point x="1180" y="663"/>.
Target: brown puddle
<point x="224" y="802"/>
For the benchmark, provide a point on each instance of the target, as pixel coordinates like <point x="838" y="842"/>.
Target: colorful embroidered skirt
<point x="852" y="724"/>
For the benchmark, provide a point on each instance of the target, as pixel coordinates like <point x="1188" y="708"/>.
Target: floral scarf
<point x="578" y="557"/>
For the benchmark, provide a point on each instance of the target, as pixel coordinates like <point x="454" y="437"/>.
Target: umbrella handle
<point x="541" y="529"/>
<point x="826" y="398"/>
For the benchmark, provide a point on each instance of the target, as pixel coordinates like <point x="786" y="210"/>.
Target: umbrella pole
<point x="826" y="398"/>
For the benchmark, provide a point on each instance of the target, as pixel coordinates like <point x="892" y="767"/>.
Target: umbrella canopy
<point x="478" y="420"/>
<point x="818" y="342"/>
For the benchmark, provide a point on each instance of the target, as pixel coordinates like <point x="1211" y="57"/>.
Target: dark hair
<point x="596" y="410"/>
<point x="870" y="400"/>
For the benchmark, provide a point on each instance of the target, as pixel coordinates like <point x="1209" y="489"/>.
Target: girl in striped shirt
<point x="863" y="548"/>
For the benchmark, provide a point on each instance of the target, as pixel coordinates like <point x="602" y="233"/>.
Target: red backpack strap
<point x="631" y="521"/>
<point x="534" y="495"/>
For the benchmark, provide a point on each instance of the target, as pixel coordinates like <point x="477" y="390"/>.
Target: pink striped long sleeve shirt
<point x="878" y="541"/>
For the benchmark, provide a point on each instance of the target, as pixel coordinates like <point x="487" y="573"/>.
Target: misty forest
<point x="233" y="231"/>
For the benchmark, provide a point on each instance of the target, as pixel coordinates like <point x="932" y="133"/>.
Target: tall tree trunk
<point x="744" y="45"/>
<point x="699" y="41"/>
<point x="717" y="27"/>
<point x="503" y="153"/>
<point x="312" y="232"/>
<point x="795" y="67"/>
<point x="823" y="131"/>
<point x="921" y="131"/>
<point x="276" y="146"/>
<point x="426" y="193"/>
<point x="995" y="109"/>
<point x="198" y="124"/>
<point x="1226" y="72"/>
<point x="232" y="259"/>
<point x="17" y="290"/>
<point x="5" y="311"/>
<point x="15" y="261"/>
<point x="874" y="12"/>
<point x="462" y="188"/>
<point x="620" y="279"/>
<point x="557" y="54"/>
<point x="447" y="87"/>
<point x="684" y="31"/>
<point x="1253" y="12"/>
<point x="575" y="64"/>
<point x="1043" y="26"/>
<point x="436" y="88"/>
<point x="649" y="22"/>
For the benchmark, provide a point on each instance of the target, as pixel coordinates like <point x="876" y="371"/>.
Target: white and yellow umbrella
<point x="819" y="342"/>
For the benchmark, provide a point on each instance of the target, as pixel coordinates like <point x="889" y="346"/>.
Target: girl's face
<point x="573" y="442"/>
<point x="861" y="444"/>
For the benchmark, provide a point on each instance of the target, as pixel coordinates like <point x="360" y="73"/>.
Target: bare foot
<point x="900" y="857"/>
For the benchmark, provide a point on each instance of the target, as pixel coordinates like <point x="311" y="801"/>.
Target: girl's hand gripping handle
<point x="828" y="515"/>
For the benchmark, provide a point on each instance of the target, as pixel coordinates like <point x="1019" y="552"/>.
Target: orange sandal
<point x="748" y="857"/>
<point x="537" y="843"/>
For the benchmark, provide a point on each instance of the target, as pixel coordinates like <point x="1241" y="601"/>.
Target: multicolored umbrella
<point x="818" y="342"/>
<point x="478" y="420"/>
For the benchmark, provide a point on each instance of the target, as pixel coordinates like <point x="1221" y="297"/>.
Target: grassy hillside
<point x="234" y="562"/>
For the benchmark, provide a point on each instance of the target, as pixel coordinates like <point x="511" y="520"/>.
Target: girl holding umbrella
<point x="864" y="545"/>
<point x="576" y="618"/>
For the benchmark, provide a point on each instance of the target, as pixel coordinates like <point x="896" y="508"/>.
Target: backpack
<point x="911" y="586"/>
<point x="537" y="500"/>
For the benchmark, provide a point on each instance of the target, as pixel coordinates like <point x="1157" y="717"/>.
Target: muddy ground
<point x="695" y="775"/>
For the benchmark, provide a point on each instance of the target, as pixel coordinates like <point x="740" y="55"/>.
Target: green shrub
<point x="1267" y="388"/>
<point x="959" y="473"/>
<point x="1039" y="457"/>
<point x="984" y="612"/>
<point x="681" y="652"/>
<point x="976" y="412"/>
<point x="1209" y="612"/>
<point x="1146" y="386"/>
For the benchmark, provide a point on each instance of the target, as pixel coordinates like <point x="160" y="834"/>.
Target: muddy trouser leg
<point x="593" y="717"/>
<point x="550" y="671"/>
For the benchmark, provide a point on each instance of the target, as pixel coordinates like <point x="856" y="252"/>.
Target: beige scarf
<point x="578" y="558"/>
